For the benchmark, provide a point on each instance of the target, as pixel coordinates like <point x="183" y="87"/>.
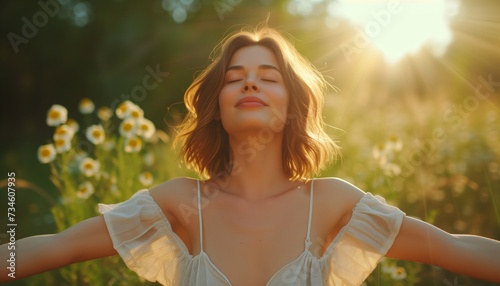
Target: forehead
<point x="253" y="55"/>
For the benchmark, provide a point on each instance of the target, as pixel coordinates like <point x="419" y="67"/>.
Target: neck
<point x="257" y="171"/>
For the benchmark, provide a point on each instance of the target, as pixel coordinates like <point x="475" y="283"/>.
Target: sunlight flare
<point x="399" y="28"/>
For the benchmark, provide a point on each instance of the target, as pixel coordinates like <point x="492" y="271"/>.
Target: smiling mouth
<point x="250" y="101"/>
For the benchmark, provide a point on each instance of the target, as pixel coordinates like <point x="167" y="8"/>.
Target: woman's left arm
<point x="470" y="255"/>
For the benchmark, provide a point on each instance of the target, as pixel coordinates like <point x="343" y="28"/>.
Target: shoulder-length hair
<point x="306" y="146"/>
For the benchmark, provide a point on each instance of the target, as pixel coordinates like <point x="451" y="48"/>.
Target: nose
<point x="249" y="86"/>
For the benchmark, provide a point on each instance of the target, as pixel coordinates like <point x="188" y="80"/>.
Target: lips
<point x="249" y="101"/>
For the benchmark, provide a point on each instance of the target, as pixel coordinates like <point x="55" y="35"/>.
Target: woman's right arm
<point x="86" y="240"/>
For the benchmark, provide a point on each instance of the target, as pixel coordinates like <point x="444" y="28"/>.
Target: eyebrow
<point x="237" y="67"/>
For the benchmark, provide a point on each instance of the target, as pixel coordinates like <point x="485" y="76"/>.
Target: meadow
<point x="442" y="167"/>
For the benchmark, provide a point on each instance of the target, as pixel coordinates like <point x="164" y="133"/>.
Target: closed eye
<point x="268" y="80"/>
<point x="234" y="80"/>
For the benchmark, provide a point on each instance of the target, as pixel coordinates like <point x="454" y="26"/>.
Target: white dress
<point x="144" y="239"/>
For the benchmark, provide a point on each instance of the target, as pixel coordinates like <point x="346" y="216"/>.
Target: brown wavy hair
<point x="306" y="146"/>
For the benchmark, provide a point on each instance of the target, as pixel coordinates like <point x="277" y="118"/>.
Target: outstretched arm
<point x="469" y="255"/>
<point x="86" y="240"/>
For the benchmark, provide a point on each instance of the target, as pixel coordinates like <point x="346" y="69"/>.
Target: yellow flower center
<point x="60" y="131"/>
<point x="45" y="152"/>
<point x="380" y="146"/>
<point x="127" y="127"/>
<point x="85" y="101"/>
<point x="104" y="113"/>
<point x="147" y="175"/>
<point x="54" y="114"/>
<point x="88" y="166"/>
<point x="400" y="271"/>
<point x="134" y="114"/>
<point x="97" y="133"/>
<point x="122" y="108"/>
<point x="59" y="142"/>
<point x="144" y="127"/>
<point x="133" y="143"/>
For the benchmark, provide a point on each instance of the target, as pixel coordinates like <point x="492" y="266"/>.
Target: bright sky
<point x="400" y="27"/>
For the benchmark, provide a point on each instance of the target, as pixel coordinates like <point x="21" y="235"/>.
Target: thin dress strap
<point x="308" y="237"/>
<point x="199" y="217"/>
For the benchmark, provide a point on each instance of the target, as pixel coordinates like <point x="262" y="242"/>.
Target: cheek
<point x="224" y="99"/>
<point x="225" y="103"/>
<point x="280" y="99"/>
<point x="280" y="110"/>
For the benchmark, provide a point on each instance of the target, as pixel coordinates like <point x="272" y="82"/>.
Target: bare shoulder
<point x="173" y="193"/>
<point x="338" y="189"/>
<point x="337" y="193"/>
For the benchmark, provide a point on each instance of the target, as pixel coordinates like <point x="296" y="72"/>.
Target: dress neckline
<point x="202" y="254"/>
<point x="307" y="242"/>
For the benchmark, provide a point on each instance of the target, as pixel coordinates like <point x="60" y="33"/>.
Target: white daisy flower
<point x="62" y="144"/>
<point x="128" y="128"/>
<point x="136" y="113"/>
<point x="123" y="110"/>
<point x="79" y="156"/>
<point x="63" y="132"/>
<point x="394" y="143"/>
<point x="73" y="124"/>
<point x="85" y="190"/>
<point x="133" y="144"/>
<point x="104" y="113"/>
<point x="46" y="153"/>
<point x="399" y="273"/>
<point x="146" y="179"/>
<point x="391" y="169"/>
<point x="86" y="106"/>
<point x="57" y="115"/>
<point x="145" y="128"/>
<point x="158" y="136"/>
<point x="89" y="167"/>
<point x="95" y="134"/>
<point x="388" y="267"/>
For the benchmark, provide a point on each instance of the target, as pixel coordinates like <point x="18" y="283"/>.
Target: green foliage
<point x="451" y="181"/>
<point x="120" y="173"/>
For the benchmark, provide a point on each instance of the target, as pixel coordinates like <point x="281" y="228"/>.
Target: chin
<point x="248" y="125"/>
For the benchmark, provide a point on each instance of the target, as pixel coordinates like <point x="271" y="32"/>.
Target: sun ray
<point x="399" y="28"/>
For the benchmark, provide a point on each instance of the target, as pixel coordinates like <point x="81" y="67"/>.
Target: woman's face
<point x="254" y="96"/>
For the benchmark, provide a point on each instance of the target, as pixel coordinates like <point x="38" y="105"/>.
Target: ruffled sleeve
<point x="144" y="239"/>
<point x="360" y="245"/>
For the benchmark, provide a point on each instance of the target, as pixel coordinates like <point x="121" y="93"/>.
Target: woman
<point x="254" y="130"/>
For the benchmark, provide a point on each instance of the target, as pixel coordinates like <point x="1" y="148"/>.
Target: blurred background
<point x="414" y="103"/>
